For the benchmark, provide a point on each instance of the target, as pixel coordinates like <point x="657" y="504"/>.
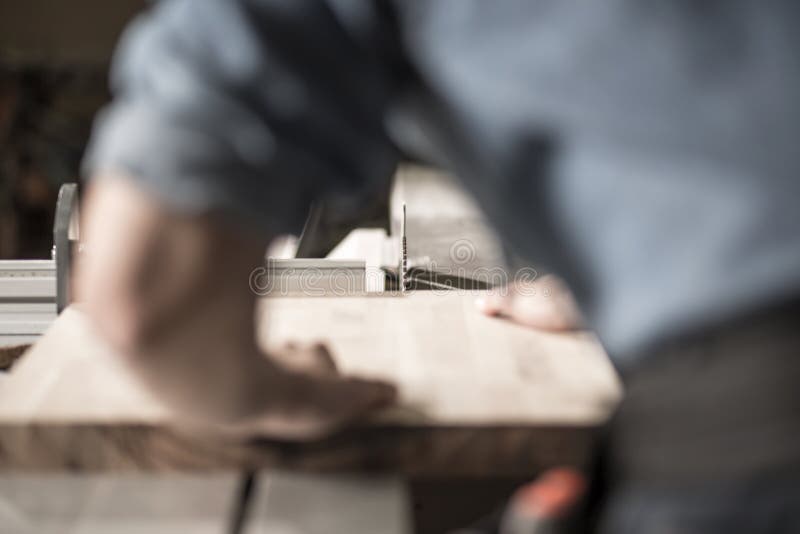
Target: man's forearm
<point x="170" y="292"/>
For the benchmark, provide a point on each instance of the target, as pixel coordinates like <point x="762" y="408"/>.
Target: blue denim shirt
<point x="646" y="150"/>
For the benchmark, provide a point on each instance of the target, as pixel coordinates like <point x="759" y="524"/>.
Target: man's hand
<point x="321" y="401"/>
<point x="314" y="407"/>
<point x="311" y="359"/>
<point x="170" y="292"/>
<point x="545" y="303"/>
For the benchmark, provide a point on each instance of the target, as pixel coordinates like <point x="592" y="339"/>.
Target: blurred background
<point x="54" y="59"/>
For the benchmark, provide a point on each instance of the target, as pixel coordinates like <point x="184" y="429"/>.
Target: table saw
<point x="480" y="398"/>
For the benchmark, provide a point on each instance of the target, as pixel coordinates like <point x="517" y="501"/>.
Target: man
<point x="645" y="151"/>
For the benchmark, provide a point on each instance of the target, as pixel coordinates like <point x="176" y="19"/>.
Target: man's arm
<point x="228" y="117"/>
<point x="171" y="293"/>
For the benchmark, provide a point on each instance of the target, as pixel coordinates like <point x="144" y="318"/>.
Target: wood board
<point x="479" y="396"/>
<point x="446" y="230"/>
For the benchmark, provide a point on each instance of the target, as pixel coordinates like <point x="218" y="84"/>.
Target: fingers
<point x="314" y="359"/>
<point x="347" y="402"/>
<point x="349" y="399"/>
<point x="374" y="394"/>
<point x="544" y="304"/>
<point x="493" y="304"/>
<point x="325" y="405"/>
<point x="321" y="360"/>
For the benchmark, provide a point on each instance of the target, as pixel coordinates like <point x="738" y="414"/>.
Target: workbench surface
<point x="479" y="396"/>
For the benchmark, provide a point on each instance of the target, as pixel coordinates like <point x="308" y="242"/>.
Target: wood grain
<point x="479" y="396"/>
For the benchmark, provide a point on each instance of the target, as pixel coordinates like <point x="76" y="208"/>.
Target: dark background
<point x="54" y="60"/>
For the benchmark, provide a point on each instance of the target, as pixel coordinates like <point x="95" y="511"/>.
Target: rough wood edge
<point x="454" y="451"/>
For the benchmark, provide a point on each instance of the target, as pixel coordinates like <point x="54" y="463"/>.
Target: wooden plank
<point x="479" y="396"/>
<point x="454" y="365"/>
<point x="446" y="230"/>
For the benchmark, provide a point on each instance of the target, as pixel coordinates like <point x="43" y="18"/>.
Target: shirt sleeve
<point x="250" y="107"/>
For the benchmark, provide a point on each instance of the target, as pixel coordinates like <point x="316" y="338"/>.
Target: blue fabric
<point x="646" y="150"/>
